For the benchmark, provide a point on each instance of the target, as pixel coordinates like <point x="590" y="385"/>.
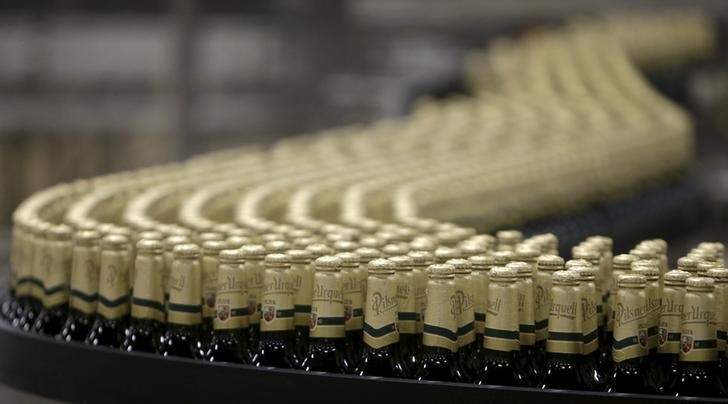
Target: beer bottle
<point x="210" y="236"/>
<point x="9" y="306"/>
<point x="507" y="240"/>
<point x="501" y="336"/>
<point x="668" y="336"/>
<point x="469" y="249"/>
<point x="562" y="369"/>
<point x="182" y="336"/>
<point x="56" y="281"/>
<point x="421" y="260"/>
<point x="720" y="293"/>
<point x="254" y="269"/>
<point x="621" y="265"/>
<point x="588" y="298"/>
<point x="546" y="265"/>
<point x="353" y="301"/>
<point x="486" y="240"/>
<point x="698" y="374"/>
<point x="277" y="333"/>
<point x="209" y="264"/>
<point x="592" y="255"/>
<point x="394" y="250"/>
<point x="407" y="312"/>
<point x="380" y="354"/>
<point x="629" y="348"/>
<point x="372" y="242"/>
<point x="147" y="305"/>
<point x="526" y="322"/>
<point x="688" y="264"/>
<point x="237" y="242"/>
<point x="440" y="338"/>
<point x="32" y="294"/>
<point x="502" y="258"/>
<point x="481" y="267"/>
<point x="326" y="349"/>
<point x="366" y="255"/>
<point x="345" y="246"/>
<point x="302" y="274"/>
<point x="230" y="334"/>
<point x="277" y="247"/>
<point x="704" y="267"/>
<point x="444" y="254"/>
<point x="422" y="244"/>
<point x="168" y="256"/>
<point x="653" y="293"/>
<point x="112" y="312"/>
<point x="84" y="286"/>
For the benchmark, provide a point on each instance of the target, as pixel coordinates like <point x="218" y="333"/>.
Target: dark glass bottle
<point x="380" y="355"/>
<point x="464" y="305"/>
<point x="351" y="275"/>
<point x="147" y="304"/>
<point x="31" y="297"/>
<point x="440" y="337"/>
<point x="629" y="348"/>
<point x="84" y="286"/>
<point x="406" y="313"/>
<point x="230" y="335"/>
<point x="303" y="273"/>
<point x="588" y="301"/>
<point x="621" y="264"/>
<point x="546" y="265"/>
<point x="653" y="293"/>
<point x="326" y="349"/>
<point x="421" y="259"/>
<point x="56" y="279"/>
<point x="18" y="261"/>
<point x="481" y="268"/>
<point x="698" y="373"/>
<point x="500" y="365"/>
<point x="208" y="265"/>
<point x="113" y="306"/>
<point x="277" y="334"/>
<point x="668" y="336"/>
<point x="254" y="268"/>
<point x="169" y="243"/>
<point x="182" y="336"/>
<point x="528" y="353"/>
<point x="720" y="276"/>
<point x="564" y="345"/>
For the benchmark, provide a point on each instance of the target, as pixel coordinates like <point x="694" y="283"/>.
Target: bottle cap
<point x="523" y="269"/>
<point x="550" y="263"/>
<point x="86" y="237"/>
<point x="277" y="246"/>
<point x="577" y="263"/>
<point x="443" y="254"/>
<point x="509" y="237"/>
<point x="211" y="235"/>
<point x="527" y="253"/>
<point x="299" y="256"/>
<point x="700" y="283"/>
<point x="367" y="254"/>
<point x="585" y="273"/>
<point x="277" y="260"/>
<point x="570" y="278"/>
<point x="585" y="253"/>
<point x="503" y="274"/>
<point x="114" y="242"/>
<point x="440" y="271"/>
<point x="349" y="259"/>
<point x="381" y="266"/>
<point x="232" y="256"/>
<point x="392" y="250"/>
<point x="421" y="258"/>
<point x="149" y="246"/>
<point x="175" y="240"/>
<point x="187" y="250"/>
<point x="253" y="251"/>
<point x="402" y="262"/>
<point x="720" y="275"/>
<point x="632" y="280"/>
<point x="650" y="272"/>
<point x="327" y="263"/>
<point x="676" y="277"/>
<point x="372" y="242"/>
<point x="59" y="232"/>
<point x="345" y="246"/>
<point x="502" y="258"/>
<point x="150" y="235"/>
<point x="213" y="247"/>
<point x="623" y="262"/>
<point x="687" y="264"/>
<point x="461" y="266"/>
<point x="319" y="250"/>
<point x="422" y="244"/>
<point x="482" y="262"/>
<point x="469" y="248"/>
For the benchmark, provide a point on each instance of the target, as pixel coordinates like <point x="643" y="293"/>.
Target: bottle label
<point x="420" y="282"/>
<point x="231" y="301"/>
<point x="721" y="313"/>
<point x="480" y="280"/>
<point x="589" y="313"/>
<point x="668" y="336"/>
<point x="41" y="265"/>
<point x="185" y="307"/>
<point x="25" y="265"/>
<point x="526" y="315"/>
<point x="209" y="283"/>
<point x="353" y="310"/>
<point x="463" y="302"/>
<point x="255" y="271"/>
<point x="440" y="328"/>
<point x="542" y="302"/>
<point x="501" y="322"/>
<point x="698" y="337"/>
<point x="302" y="276"/>
<point x="613" y="298"/>
<point x="113" y="285"/>
<point x="85" y="279"/>
<point x="654" y="305"/>
<point x="327" y="307"/>
<point x="57" y="279"/>
<point x="168" y="259"/>
<point x="276" y="301"/>
<point x="380" y="319"/>
<point x="630" y="325"/>
<point x="565" y="321"/>
<point x="407" y="315"/>
<point x="148" y="299"/>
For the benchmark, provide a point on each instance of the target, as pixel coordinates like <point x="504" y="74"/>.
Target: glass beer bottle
<point x="353" y="300"/>
<point x="56" y="280"/>
<point x="302" y="273"/>
<point x="545" y="267"/>
<point x="668" y="336"/>
<point x="406" y="312"/>
<point x="527" y="355"/>
<point x="209" y="264"/>
<point x="588" y="298"/>
<point x="254" y="269"/>
<point x="84" y="286"/>
<point x="482" y="265"/>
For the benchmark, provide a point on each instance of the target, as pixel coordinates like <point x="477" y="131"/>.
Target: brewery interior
<point x="89" y="88"/>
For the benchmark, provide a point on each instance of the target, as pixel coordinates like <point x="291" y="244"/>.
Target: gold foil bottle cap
<point x="482" y="262"/>
<point x="268" y="237"/>
<point x="114" y="242"/>
<point x="393" y="250"/>
<point x="282" y="228"/>
<point x="304" y="242"/>
<point x="381" y="266"/>
<point x="149" y="246"/>
<point x="699" y="284"/>
<point x="223" y="228"/>
<point x="550" y="263"/>
<point x="443" y="254"/>
<point x="232" y="256"/>
<point x="367" y="254"/>
<point x="372" y="242"/>
<point x="524" y="269"/>
<point x="527" y="253"/>
<point x="174" y="230"/>
<point x="570" y="278"/>
<point x="462" y="266"/>
<point x="720" y="275"/>
<point x="253" y="251"/>
<point x="345" y="246"/>
<point x="623" y="262"/>
<point x="585" y="273"/>
<point x="644" y="252"/>
<point x="589" y="254"/>
<point x="704" y="266"/>
<point x="646" y="263"/>
<point x="441" y="271"/>
<point x="86" y="237"/>
<point x="503" y="274"/>
<point x="632" y="280"/>
<point x="277" y="260"/>
<point x="241" y="232"/>
<point x="421" y="258"/>
<point x="577" y="263"/>
<point x="150" y="235"/>
<point x="333" y="238"/>
<point x="328" y="263"/>
<point x="278" y="246"/>
<point x="509" y="237"/>
<point x="687" y="264"/>
<point x="59" y="232"/>
<point x="660" y="245"/>
<point x="174" y="240"/>
<point x="300" y="256"/>
<point x="233" y="242"/>
<point x="402" y="262"/>
<point x="650" y="272"/>
<point x="486" y="240"/>
<point x="469" y="248"/>
<point x="422" y="244"/>
<point x="211" y="235"/>
<point x="213" y="247"/>
<point x="447" y="238"/>
<point x="319" y="250"/>
<point x="188" y="250"/>
<point x="676" y="277"/>
<point x="502" y="258"/>
<point x="348" y="259"/>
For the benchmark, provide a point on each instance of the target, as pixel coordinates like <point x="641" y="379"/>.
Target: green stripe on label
<point x="705" y="344"/>
<point x="590" y="337"/>
<point x="527" y="328"/>
<point x="241" y="312"/>
<point x="566" y="336"/>
<point x="284" y="313"/>
<point x="330" y="321"/>
<point x="379" y="332"/>
<point x="57" y="289"/>
<point x="504" y="334"/>
<point x="147" y="303"/>
<point x="625" y="343"/>
<point x="84" y="296"/>
<point x="479" y="316"/>
<point x="442" y="332"/>
<point x="541" y="324"/>
<point x="404" y="315"/>
<point x="466" y="328"/>
<point x="185" y="308"/>
<point x="113" y="303"/>
<point x="302" y="308"/>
